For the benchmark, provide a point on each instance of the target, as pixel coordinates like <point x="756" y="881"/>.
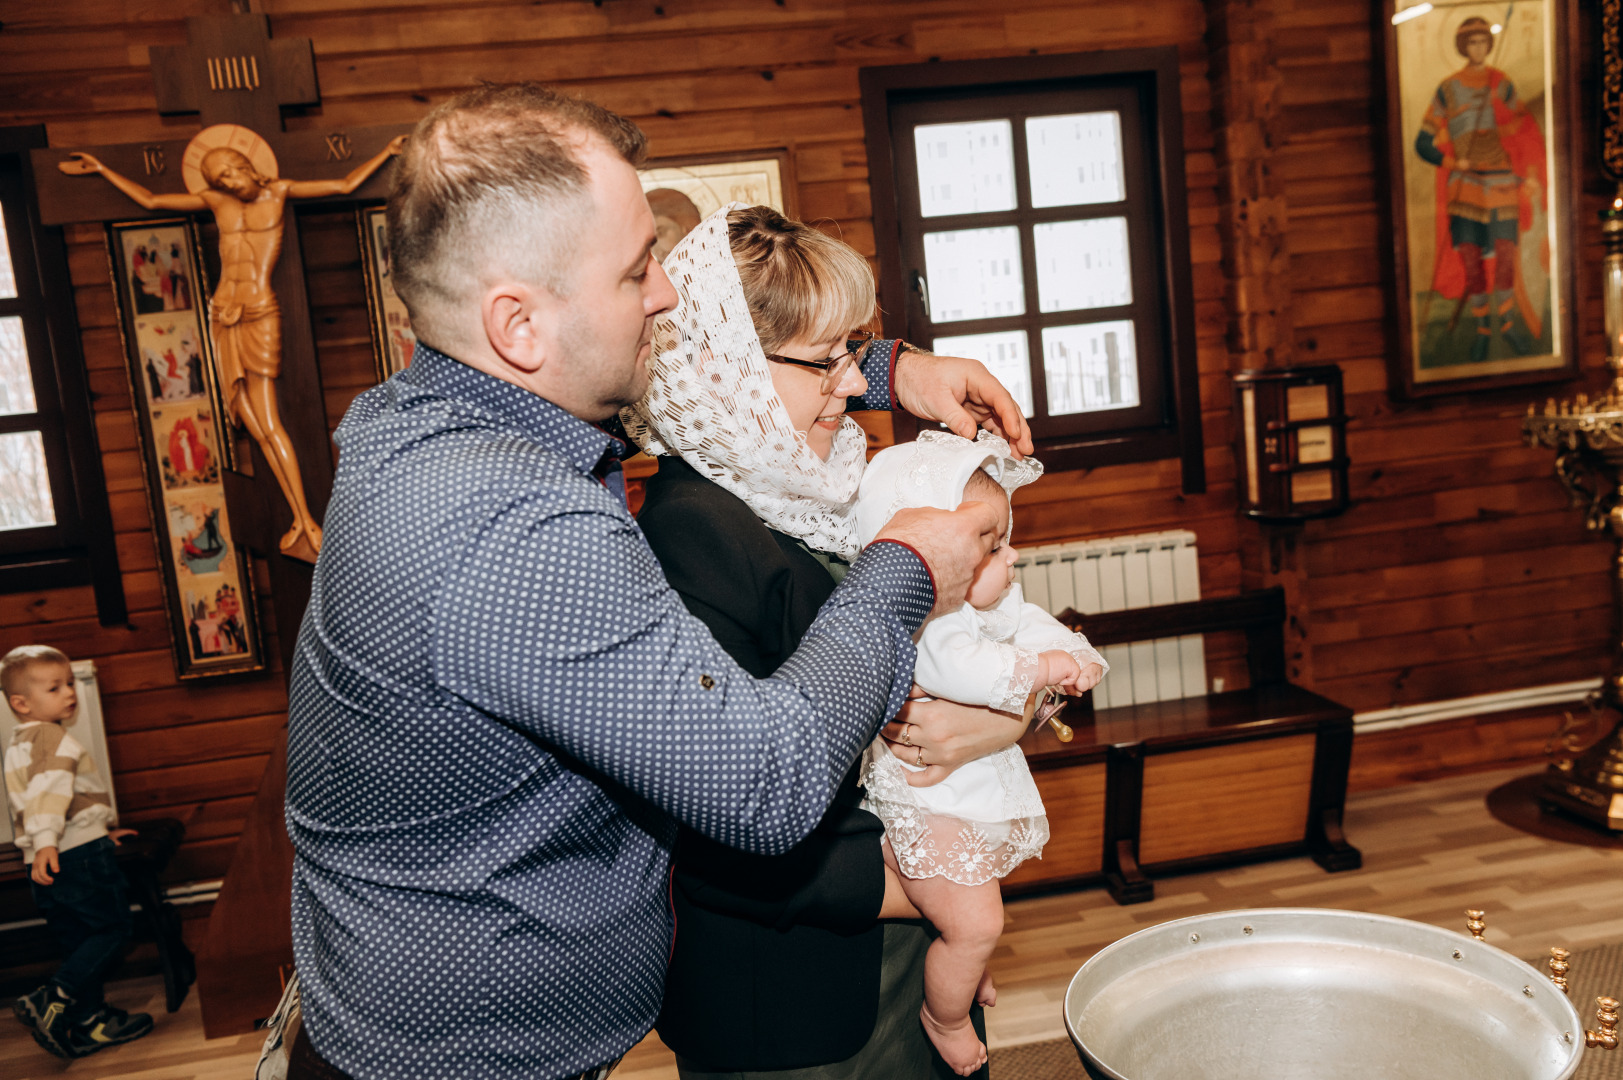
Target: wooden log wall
<point x="1459" y="569"/>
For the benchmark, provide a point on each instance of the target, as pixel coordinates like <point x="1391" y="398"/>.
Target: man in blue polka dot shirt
<point x="499" y="710"/>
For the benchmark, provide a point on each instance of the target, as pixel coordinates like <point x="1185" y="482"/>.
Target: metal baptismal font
<point x="1587" y="437"/>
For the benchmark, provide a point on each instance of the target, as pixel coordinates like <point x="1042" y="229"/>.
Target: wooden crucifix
<point x="238" y="79"/>
<point x="248" y="201"/>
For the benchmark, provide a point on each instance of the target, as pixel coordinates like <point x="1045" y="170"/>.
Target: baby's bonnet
<point x="932" y="471"/>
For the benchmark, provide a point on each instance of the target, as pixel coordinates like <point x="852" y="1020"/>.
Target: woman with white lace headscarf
<point x="780" y="968"/>
<point x="790" y="967"/>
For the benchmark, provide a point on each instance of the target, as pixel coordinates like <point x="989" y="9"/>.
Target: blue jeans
<point x="88" y="910"/>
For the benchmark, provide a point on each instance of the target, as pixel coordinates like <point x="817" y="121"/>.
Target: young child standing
<point x="60" y="816"/>
<point x="952" y="840"/>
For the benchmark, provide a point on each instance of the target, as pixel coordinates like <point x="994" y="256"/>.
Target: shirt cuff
<point x="880" y="371"/>
<point x="900" y="575"/>
<point x="43" y="839"/>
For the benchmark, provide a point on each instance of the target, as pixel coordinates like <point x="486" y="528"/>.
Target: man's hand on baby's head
<point x="962" y="394"/>
<point x="952" y="544"/>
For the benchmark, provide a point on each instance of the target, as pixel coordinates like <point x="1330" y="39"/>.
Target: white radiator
<point x="86" y="726"/>
<point x="1114" y="574"/>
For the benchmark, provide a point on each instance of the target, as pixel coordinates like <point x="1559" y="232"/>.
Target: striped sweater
<point x="57" y="797"/>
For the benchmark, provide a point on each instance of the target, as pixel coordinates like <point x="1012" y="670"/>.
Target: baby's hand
<point x="1057" y="668"/>
<point x="1087" y="680"/>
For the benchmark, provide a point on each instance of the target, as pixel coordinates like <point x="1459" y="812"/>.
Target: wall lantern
<point x="1293" y="443"/>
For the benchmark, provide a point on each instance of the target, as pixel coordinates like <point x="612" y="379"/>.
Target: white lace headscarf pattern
<point x="710" y="400"/>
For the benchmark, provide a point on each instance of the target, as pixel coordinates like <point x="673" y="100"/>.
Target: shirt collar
<point x="581" y="442"/>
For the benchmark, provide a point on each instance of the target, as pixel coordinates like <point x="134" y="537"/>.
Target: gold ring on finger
<point x="918" y="761"/>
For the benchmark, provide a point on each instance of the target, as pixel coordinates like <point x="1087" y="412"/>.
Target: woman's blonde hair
<point x="799" y="282"/>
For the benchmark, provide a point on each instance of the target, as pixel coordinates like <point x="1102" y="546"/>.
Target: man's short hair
<point x="492" y="178"/>
<point x="15" y="665"/>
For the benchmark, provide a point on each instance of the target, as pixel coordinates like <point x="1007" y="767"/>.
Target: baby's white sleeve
<point x="957" y="663"/>
<point x="1040" y="632"/>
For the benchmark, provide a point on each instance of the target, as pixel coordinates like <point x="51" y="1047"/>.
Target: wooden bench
<point x="1145" y="791"/>
<point x="142" y="858"/>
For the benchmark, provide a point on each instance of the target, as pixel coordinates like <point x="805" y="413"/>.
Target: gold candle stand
<point x="1587" y="437"/>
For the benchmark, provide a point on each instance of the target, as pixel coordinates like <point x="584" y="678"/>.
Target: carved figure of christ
<point x="249" y="210"/>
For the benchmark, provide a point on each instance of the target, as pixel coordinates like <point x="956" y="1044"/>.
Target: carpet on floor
<point x="1595" y="972"/>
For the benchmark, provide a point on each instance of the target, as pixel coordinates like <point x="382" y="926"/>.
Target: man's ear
<point x="514" y="324"/>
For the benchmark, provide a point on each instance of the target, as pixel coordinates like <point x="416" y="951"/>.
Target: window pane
<point x="8" y="278"/>
<point x="965" y="168"/>
<point x="1090" y="367"/>
<point x="16" y="384"/>
<point x="974" y="274"/>
<point x="25" y="488"/>
<point x="1003" y="353"/>
<point x="1082" y="264"/>
<point x="1075" y="159"/>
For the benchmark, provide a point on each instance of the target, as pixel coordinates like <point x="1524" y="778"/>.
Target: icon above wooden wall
<point x="683" y="191"/>
<point x="392" y="337"/>
<point x="207" y="578"/>
<point x="1482" y="161"/>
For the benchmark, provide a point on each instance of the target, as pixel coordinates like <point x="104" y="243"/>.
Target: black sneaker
<point x="44" y="1014"/>
<point x="107" y="1027"/>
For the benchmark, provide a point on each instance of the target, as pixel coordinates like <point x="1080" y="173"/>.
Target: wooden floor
<point x="1430" y="851"/>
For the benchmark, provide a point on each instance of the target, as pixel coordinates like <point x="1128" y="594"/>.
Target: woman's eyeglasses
<point x="834" y="368"/>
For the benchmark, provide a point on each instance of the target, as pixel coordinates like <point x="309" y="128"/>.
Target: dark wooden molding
<point x="250" y="933"/>
<point x="1251" y="612"/>
<point x="1124" y="799"/>
<point x="81" y="548"/>
<point x="1332" y="758"/>
<point x="1238" y="857"/>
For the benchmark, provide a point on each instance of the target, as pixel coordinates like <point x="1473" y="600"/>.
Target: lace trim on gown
<point x="930" y="843"/>
<point x="1015" y="682"/>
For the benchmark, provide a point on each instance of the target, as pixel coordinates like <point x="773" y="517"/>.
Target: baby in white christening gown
<point x="951" y="841"/>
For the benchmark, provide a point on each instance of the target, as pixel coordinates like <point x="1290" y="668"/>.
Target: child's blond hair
<point x="15" y="665"/>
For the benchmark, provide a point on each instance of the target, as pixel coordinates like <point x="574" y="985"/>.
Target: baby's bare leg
<point x="970" y="920"/>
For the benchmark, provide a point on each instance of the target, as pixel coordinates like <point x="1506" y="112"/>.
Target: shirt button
<point x="707" y="682"/>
